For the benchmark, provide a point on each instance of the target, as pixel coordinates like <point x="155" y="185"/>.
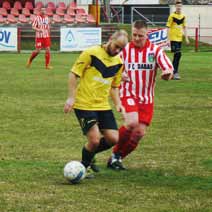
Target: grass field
<point x="171" y="171"/>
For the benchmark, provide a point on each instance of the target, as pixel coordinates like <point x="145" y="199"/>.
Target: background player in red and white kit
<point x="41" y="25"/>
<point x="141" y="60"/>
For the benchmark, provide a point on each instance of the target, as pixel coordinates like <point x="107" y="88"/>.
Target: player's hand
<point x="167" y="75"/>
<point x="121" y="110"/>
<point x="125" y="77"/>
<point x="187" y="41"/>
<point x="39" y="30"/>
<point x="69" y="105"/>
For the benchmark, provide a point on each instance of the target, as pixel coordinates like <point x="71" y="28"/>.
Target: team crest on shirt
<point x="151" y="57"/>
<point x="45" y="21"/>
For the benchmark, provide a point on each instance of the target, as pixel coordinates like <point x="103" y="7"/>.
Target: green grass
<point x="171" y="170"/>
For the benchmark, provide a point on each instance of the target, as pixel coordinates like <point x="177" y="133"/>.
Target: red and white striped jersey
<point x="141" y="66"/>
<point x="42" y="22"/>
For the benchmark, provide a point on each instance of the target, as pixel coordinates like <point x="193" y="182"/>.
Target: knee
<point x="112" y="139"/>
<point x="93" y="141"/>
<point x="137" y="135"/>
<point x="132" y="125"/>
<point x="141" y="133"/>
<point x="47" y="49"/>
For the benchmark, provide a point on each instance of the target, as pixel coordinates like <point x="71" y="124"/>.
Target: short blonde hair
<point x="119" y="33"/>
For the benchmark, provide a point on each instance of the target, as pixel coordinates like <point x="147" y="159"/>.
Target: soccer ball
<point x="74" y="171"/>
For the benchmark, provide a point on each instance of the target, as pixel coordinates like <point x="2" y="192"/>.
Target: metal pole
<point x="107" y="5"/>
<point x="19" y="40"/>
<point x="97" y="13"/>
<point x="199" y="27"/>
<point x="196" y="39"/>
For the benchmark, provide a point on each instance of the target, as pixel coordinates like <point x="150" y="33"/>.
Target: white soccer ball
<point x="74" y="171"/>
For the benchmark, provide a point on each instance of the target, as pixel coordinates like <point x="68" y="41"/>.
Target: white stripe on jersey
<point x="146" y="87"/>
<point x="42" y="23"/>
<point x="141" y="67"/>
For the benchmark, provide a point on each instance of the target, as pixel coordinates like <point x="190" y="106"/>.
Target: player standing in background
<point x="99" y="70"/>
<point x="141" y="59"/>
<point x="176" y="29"/>
<point x="41" y="25"/>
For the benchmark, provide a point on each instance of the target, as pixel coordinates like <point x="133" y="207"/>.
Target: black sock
<point x="87" y="157"/>
<point x="103" y="145"/>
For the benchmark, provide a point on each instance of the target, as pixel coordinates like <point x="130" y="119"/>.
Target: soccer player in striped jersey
<point x="177" y="29"/>
<point x="99" y="70"/>
<point x="141" y="59"/>
<point x="41" y="25"/>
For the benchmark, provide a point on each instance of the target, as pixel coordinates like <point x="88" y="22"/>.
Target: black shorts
<point x="176" y="46"/>
<point x="105" y="119"/>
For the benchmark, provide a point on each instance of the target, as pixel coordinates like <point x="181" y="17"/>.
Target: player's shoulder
<point x="172" y="14"/>
<point x="128" y="46"/>
<point x="154" y="47"/>
<point x="94" y="49"/>
<point x="118" y="59"/>
<point x="178" y="16"/>
<point x="183" y="16"/>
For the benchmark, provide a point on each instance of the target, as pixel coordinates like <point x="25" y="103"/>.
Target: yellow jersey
<point x="98" y="72"/>
<point x="176" y="23"/>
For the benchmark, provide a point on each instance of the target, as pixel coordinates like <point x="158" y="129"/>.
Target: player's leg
<point x="138" y="130"/>
<point x="108" y="126"/>
<point x="125" y="131"/>
<point x="88" y="123"/>
<point x="47" y="44"/>
<point x="176" y="49"/>
<point x="136" y="135"/>
<point x="145" y="113"/>
<point x="38" y="46"/>
<point x="47" y="58"/>
<point x="89" y="150"/>
<point x="131" y="120"/>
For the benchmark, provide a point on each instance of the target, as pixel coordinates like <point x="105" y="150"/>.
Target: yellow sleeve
<point x="117" y="79"/>
<point x="169" y="22"/>
<point x="81" y="63"/>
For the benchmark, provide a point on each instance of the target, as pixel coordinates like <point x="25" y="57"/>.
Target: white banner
<point x="79" y="39"/>
<point x="159" y="37"/>
<point x="8" y="39"/>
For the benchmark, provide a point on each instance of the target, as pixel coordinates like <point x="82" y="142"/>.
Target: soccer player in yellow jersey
<point x="99" y="70"/>
<point x="176" y="30"/>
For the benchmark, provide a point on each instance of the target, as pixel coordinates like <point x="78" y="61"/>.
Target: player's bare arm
<point x="186" y="36"/>
<point x="72" y="92"/>
<point x="116" y="100"/>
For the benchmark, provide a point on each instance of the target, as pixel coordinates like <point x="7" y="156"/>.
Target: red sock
<point x="47" y="58"/>
<point x="33" y="55"/>
<point x="130" y="145"/>
<point x="124" y="136"/>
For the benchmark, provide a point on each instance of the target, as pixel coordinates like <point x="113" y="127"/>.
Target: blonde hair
<point x="118" y="34"/>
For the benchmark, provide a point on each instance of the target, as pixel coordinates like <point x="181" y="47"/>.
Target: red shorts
<point x="42" y="43"/>
<point x="145" y="111"/>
